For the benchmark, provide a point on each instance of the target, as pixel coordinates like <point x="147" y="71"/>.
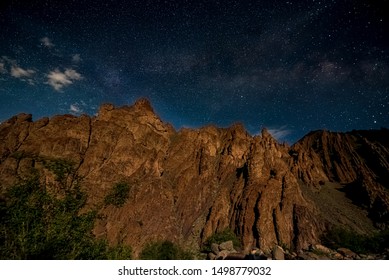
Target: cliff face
<point x="359" y="160"/>
<point x="185" y="185"/>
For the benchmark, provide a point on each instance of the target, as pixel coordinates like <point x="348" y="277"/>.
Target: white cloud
<point x="76" y="58"/>
<point x="10" y="66"/>
<point x="59" y="80"/>
<point x="18" y="72"/>
<point x="46" y="41"/>
<point x="73" y="74"/>
<point x="279" y="133"/>
<point x="24" y="75"/>
<point x="75" y="109"/>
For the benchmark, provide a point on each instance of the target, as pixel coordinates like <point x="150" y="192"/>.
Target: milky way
<point x="290" y="66"/>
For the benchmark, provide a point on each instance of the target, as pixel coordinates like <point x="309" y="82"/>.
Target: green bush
<point x="118" y="195"/>
<point x="61" y="168"/>
<point x="118" y="252"/>
<point x="220" y="237"/>
<point x="39" y="224"/>
<point x="164" y="250"/>
<point x="361" y="244"/>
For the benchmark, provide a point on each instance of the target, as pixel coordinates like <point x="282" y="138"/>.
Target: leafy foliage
<point x="220" y="237"/>
<point x="118" y="195"/>
<point x="339" y="237"/>
<point x="60" y="167"/>
<point x="37" y="223"/>
<point x="164" y="250"/>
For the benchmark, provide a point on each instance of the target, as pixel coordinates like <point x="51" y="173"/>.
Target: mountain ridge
<point x="186" y="185"/>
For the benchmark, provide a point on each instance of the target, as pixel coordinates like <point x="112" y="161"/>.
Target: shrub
<point x="119" y="252"/>
<point x="340" y="237"/>
<point x="164" y="250"/>
<point x="220" y="237"/>
<point x="61" y="168"/>
<point x="38" y="224"/>
<point x="118" y="195"/>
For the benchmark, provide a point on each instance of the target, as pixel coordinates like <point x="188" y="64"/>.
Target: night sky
<point x="290" y="66"/>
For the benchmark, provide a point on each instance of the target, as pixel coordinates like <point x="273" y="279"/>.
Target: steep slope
<point x="184" y="186"/>
<point x="358" y="160"/>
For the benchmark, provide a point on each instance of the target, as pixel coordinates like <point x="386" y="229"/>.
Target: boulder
<point x="278" y="253"/>
<point x="228" y="246"/>
<point x="337" y="256"/>
<point x="347" y="253"/>
<point x="222" y="255"/>
<point x="211" y="256"/>
<point x="322" y="249"/>
<point x="215" y="248"/>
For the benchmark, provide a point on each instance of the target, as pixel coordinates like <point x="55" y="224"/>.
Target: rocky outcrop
<point x="224" y="250"/>
<point x="359" y="160"/>
<point x="186" y="185"/>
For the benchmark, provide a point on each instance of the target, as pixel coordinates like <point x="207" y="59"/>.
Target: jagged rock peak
<point x="141" y="107"/>
<point x="143" y="104"/>
<point x="238" y="129"/>
<point x="104" y="108"/>
<point x="22" y="117"/>
<point x="265" y="133"/>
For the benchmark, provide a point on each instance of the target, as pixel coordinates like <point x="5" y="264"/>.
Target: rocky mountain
<point x="186" y="185"/>
<point x="358" y="160"/>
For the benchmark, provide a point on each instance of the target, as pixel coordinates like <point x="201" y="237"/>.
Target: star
<point x="294" y="65"/>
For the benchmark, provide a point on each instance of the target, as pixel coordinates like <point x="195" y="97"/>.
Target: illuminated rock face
<point x="185" y="185"/>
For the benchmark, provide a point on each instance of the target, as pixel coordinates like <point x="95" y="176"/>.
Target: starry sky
<point x="290" y="66"/>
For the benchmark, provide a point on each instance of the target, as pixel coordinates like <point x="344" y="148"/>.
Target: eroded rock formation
<point x="184" y="185"/>
<point x="359" y="160"/>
